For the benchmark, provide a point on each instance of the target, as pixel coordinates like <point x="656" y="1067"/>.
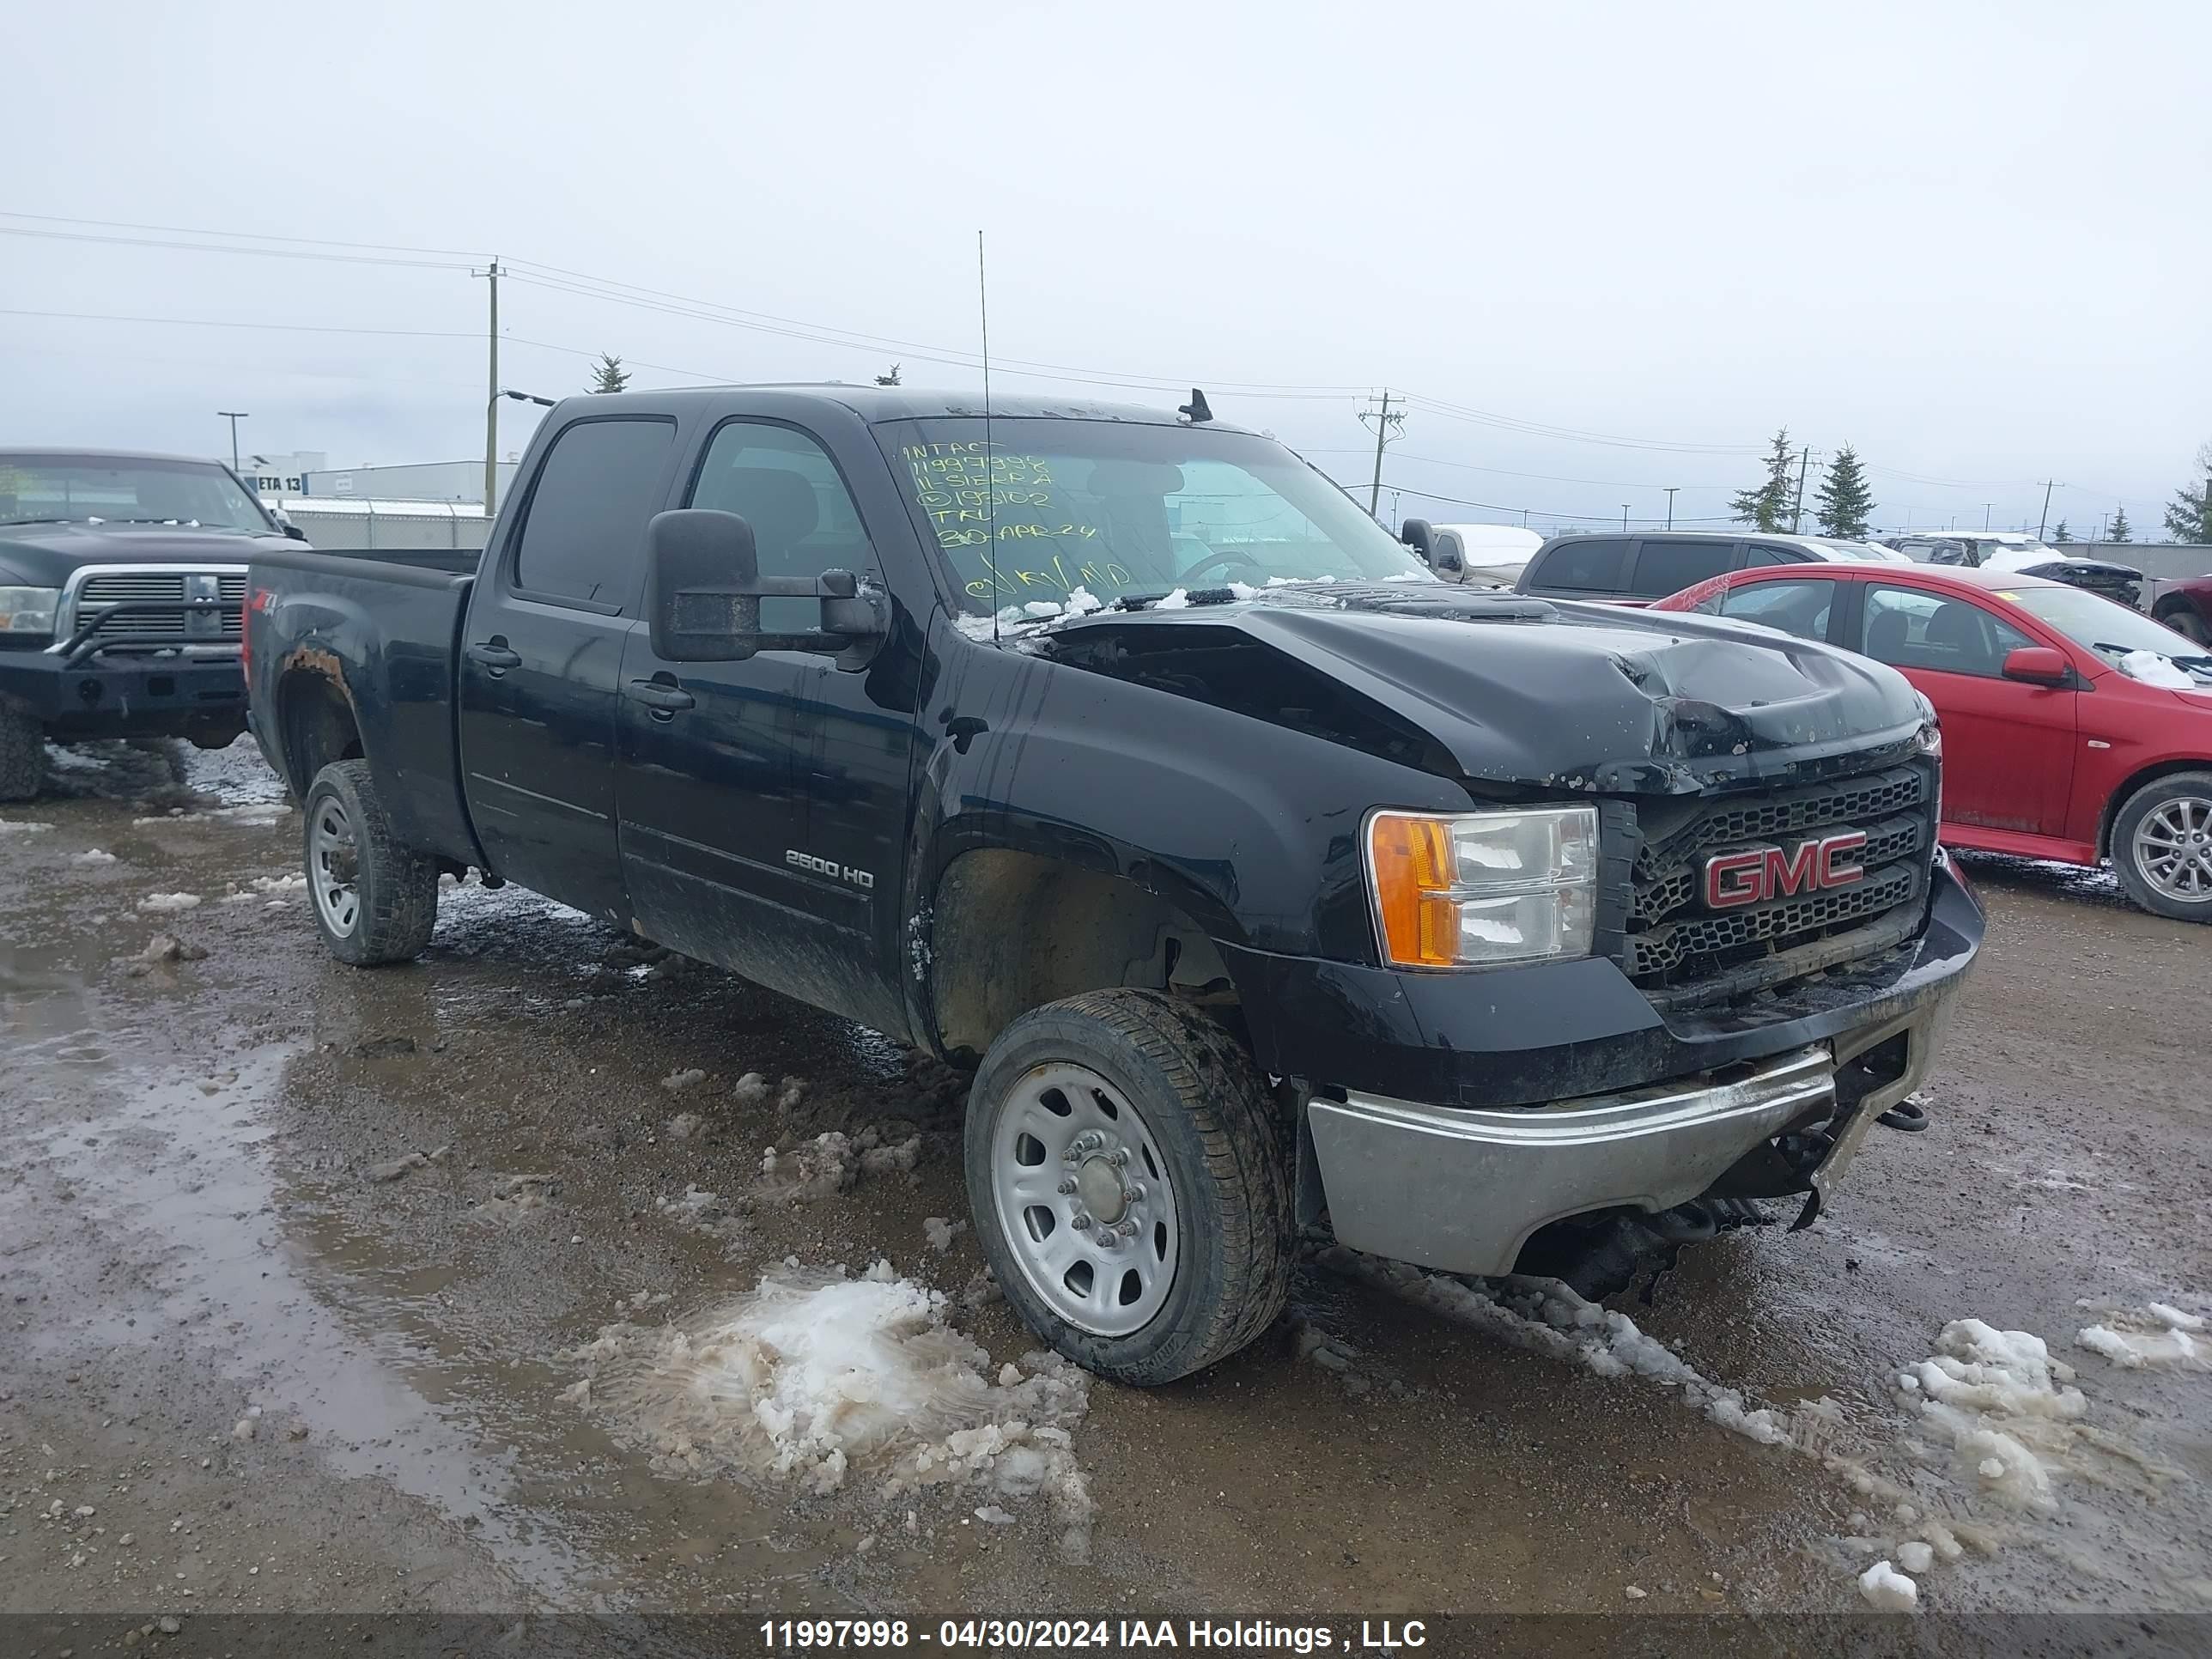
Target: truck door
<point x="763" y="802"/>
<point x="541" y="656"/>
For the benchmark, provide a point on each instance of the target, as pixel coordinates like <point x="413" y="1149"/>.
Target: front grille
<point x="153" y="587"/>
<point x="1674" y="940"/>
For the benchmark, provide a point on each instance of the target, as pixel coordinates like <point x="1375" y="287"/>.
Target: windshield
<point x="85" y="489"/>
<point x="2104" y="626"/>
<point x="1119" y="509"/>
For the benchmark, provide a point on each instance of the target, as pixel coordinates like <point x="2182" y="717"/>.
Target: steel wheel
<point x="1084" y="1199"/>
<point x="334" y="866"/>
<point x="2173" y="849"/>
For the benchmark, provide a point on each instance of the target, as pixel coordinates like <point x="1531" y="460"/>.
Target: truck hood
<point x="1524" y="691"/>
<point x="44" y="555"/>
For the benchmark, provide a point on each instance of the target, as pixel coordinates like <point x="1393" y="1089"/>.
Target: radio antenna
<point x="990" y="472"/>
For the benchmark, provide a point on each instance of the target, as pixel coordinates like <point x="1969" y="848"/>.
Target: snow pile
<point x="1888" y="1590"/>
<point x="815" y="1377"/>
<point x="93" y="855"/>
<point x="754" y="1090"/>
<point x="1545" y="1316"/>
<point x="678" y="1081"/>
<point x="2154" y="668"/>
<point x="831" y="1161"/>
<point x="1178" y="600"/>
<point x="295" y="882"/>
<point x="21" y="827"/>
<point x="159" y="903"/>
<point x="2003" y="1403"/>
<point x="2155" y="1334"/>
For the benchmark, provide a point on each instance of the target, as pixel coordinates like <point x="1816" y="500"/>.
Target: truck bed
<point x="381" y="633"/>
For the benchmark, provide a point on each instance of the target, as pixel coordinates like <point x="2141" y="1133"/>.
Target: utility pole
<point x="1386" y="427"/>
<point x="1804" y="464"/>
<point x="1986" y="505"/>
<point x="234" y="415"/>
<point x="491" y="396"/>
<point x="1671" y="489"/>
<point x="1624" y="515"/>
<point x="2048" y="484"/>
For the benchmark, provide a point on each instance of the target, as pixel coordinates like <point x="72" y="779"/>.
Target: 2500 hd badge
<point x="829" y="867"/>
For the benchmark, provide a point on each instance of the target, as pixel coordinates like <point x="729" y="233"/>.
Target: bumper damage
<point x="1462" y="1189"/>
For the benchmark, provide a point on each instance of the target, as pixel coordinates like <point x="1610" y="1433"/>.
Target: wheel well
<point x="1014" y="931"/>
<point x="318" y="725"/>
<point x="2120" y="796"/>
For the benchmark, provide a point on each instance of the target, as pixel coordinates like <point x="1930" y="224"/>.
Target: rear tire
<point x="2161" y="846"/>
<point x="1134" y="1114"/>
<point x="375" y="899"/>
<point x="22" y="756"/>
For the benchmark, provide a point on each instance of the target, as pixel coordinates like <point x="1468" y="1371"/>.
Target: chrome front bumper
<point x="1462" y="1190"/>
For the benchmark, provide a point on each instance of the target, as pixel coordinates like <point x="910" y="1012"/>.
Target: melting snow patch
<point x="295" y="882"/>
<point x="2154" y="668"/>
<point x="1178" y="600"/>
<point x="676" y="1081"/>
<point x="817" y="1378"/>
<point x="21" y="826"/>
<point x="2155" y="1334"/>
<point x="93" y="855"/>
<point x="1545" y="1316"/>
<point x="163" y="902"/>
<point x="940" y="1231"/>
<point x="2003" y="1403"/>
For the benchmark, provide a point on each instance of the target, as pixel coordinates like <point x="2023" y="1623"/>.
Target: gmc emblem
<point x="1768" y="872"/>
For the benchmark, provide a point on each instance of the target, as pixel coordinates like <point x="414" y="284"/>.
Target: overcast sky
<point x="1970" y="239"/>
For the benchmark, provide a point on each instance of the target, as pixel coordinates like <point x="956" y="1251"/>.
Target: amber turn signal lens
<point x="1412" y="872"/>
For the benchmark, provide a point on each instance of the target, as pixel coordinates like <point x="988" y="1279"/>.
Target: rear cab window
<point x="1591" y="564"/>
<point x="1664" y="568"/>
<point x="1798" y="607"/>
<point x="583" y="539"/>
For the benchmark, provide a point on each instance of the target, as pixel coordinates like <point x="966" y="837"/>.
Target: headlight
<point x="28" y="609"/>
<point x="1477" y="890"/>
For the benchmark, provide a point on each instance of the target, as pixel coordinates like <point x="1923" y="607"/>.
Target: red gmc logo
<point x="1768" y="872"/>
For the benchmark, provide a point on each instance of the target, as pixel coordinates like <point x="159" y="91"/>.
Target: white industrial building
<point x="417" y="481"/>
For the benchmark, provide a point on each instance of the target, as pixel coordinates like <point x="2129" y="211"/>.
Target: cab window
<point x="1591" y="565"/>
<point x="784" y="484"/>
<point x="1664" y="568"/>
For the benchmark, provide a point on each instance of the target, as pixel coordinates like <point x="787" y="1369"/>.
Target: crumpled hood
<point x="44" y="555"/>
<point x="1567" y="695"/>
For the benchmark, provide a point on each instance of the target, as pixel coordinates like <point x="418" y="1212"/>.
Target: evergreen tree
<point x="2061" y="534"/>
<point x="608" y="374"/>
<point x="2119" y="530"/>
<point x="891" y="379"/>
<point x="1767" y="504"/>
<point x="2189" y="515"/>
<point x="1846" y="503"/>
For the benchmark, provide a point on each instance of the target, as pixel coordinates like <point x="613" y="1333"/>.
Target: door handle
<point x="493" y="654"/>
<point x="658" y="696"/>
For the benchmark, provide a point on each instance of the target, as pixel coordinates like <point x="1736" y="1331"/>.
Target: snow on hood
<point x="1551" y="695"/>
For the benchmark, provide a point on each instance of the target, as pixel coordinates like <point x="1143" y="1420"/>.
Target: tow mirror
<point x="2036" y="665"/>
<point x="1417" y="535"/>
<point x="703" y="589"/>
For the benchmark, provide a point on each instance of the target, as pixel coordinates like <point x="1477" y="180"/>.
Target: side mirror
<point x="703" y="589"/>
<point x="295" y="531"/>
<point x="2036" y="665"/>
<point x="1417" y="535"/>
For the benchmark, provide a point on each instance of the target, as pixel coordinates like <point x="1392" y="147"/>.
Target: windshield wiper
<point x="5" y="523"/>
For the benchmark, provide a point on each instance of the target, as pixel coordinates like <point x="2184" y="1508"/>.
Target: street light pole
<point x="491" y="402"/>
<point x="1624" y="515"/>
<point x="1671" y="489"/>
<point x="234" y="415"/>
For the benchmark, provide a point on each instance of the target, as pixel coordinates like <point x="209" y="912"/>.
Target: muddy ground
<point x="295" y="1261"/>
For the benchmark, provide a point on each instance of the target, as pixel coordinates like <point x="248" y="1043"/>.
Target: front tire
<point x="22" y="756"/>
<point x="375" y="899"/>
<point x="2188" y="622"/>
<point x="2162" y="846"/>
<point x="1127" y="1171"/>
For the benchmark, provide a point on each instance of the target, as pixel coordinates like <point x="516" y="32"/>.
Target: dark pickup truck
<point x="1263" y="877"/>
<point x="122" y="587"/>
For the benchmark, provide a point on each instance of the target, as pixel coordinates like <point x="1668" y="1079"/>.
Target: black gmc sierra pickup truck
<point x="122" y="585"/>
<point x="1263" y="877"/>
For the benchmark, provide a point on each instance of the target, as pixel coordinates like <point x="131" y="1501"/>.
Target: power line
<point x="241" y="236"/>
<point x="218" y="322"/>
<point x="1507" y="473"/>
<point x="210" y="247"/>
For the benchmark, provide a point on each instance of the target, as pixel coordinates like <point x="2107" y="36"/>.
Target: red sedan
<point x="2074" y="728"/>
